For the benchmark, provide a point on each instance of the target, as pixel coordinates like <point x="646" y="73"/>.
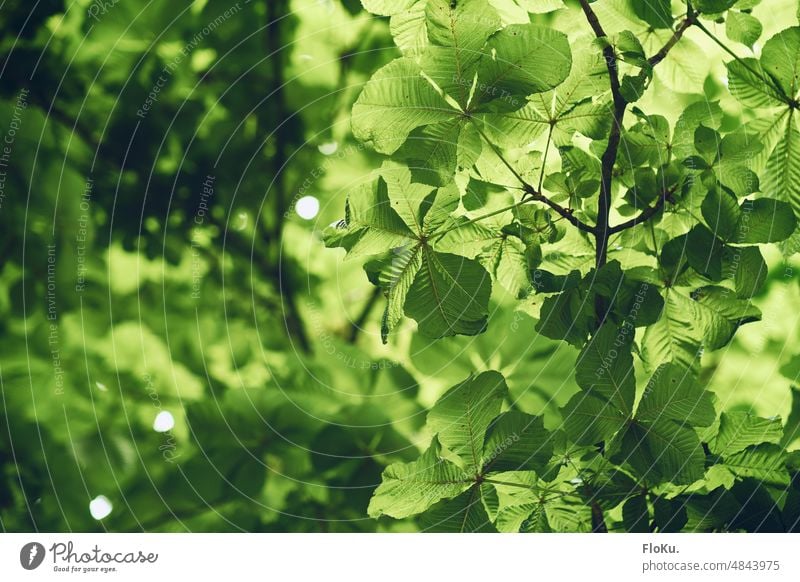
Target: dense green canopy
<point x="468" y="265"/>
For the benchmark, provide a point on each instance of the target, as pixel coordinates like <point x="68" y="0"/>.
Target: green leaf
<point x="589" y="419"/>
<point x="516" y="441"/>
<point x="782" y="177"/>
<point x="713" y="6"/>
<point x="458" y="31"/>
<point x="462" y="415"/>
<point x="450" y="295"/>
<point x="577" y="105"/>
<point x="605" y="366"/>
<point x="742" y="27"/>
<point x="739" y="430"/>
<point x="394" y="102"/>
<point x="656" y="13"/>
<point x="386" y="7"/>
<point x="664" y="451"/>
<point x="410" y="488"/>
<point x="780" y="57"/>
<point x="766" y="462"/>
<point x="396" y="280"/>
<point x="746" y="83"/>
<point x="764" y="221"/>
<point x="523" y="59"/>
<point x="674" y="394"/>
<point x="721" y="212"/>
<point x="704" y="252"/>
<point x="636" y="515"/>
<point x="709" y="320"/>
<point x="749" y="270"/>
<point x="507" y="262"/>
<point x="408" y="29"/>
<point x="411" y="201"/>
<point x="464" y="514"/>
<point x="370" y="226"/>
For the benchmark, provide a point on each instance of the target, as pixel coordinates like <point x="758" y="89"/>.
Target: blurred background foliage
<point x="176" y="342"/>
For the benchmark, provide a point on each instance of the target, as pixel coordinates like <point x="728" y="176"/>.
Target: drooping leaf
<point x="450" y="295"/>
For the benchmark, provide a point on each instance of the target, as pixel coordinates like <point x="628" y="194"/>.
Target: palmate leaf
<point x="570" y="108"/>
<point x="408" y="94"/>
<point x="771" y="82"/>
<point x="411" y="488"/>
<point x="462" y="415"/>
<point x="446" y="294"/>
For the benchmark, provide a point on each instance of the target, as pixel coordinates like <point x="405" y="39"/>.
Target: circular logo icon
<point x="31" y="555"/>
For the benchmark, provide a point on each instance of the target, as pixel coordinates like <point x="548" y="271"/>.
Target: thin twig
<point x="686" y="23"/>
<point x="646" y="214"/>
<point x="531" y="193"/>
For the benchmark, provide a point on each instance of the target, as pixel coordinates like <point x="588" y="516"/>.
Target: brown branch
<point x="646" y="214"/>
<point x="686" y="23"/>
<point x="565" y="213"/>
<point x="532" y="192"/>
<point x="609" y="157"/>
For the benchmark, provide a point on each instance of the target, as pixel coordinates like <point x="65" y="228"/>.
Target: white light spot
<point x="306" y="57"/>
<point x="328" y="148"/>
<point x="164" y="421"/>
<point x="307" y="207"/>
<point x="242" y="217"/>
<point x="100" y="386"/>
<point x="724" y="80"/>
<point x="100" y="507"/>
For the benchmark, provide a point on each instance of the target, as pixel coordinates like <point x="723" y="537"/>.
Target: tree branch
<point x="646" y="214"/>
<point x="688" y="21"/>
<point x="533" y="193"/>
<point x="565" y="213"/>
<point x="609" y="157"/>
